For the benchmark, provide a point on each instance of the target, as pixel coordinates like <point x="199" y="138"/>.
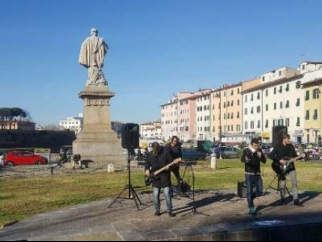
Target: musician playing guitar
<point x="159" y="159"/>
<point x="281" y="155"/>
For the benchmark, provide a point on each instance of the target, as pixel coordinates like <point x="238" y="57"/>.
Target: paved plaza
<point x="218" y="215"/>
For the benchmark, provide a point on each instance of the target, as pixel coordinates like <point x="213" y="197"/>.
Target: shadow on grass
<point x="223" y="168"/>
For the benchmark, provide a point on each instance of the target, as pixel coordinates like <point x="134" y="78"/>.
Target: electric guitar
<point x="154" y="175"/>
<point x="284" y="169"/>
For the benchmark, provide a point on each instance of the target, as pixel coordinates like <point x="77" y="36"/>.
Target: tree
<point x="8" y="115"/>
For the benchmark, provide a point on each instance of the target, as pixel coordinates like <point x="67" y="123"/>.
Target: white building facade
<point x="203" y="122"/>
<point x="151" y="130"/>
<point x="72" y="123"/>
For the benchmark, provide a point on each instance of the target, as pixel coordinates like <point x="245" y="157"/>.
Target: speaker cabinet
<point x="277" y="132"/>
<point x="241" y="189"/>
<point x="130" y="136"/>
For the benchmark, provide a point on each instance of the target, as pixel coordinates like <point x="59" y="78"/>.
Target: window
<point x="237" y="114"/>
<point x="281" y="89"/>
<point x="274" y="105"/>
<point x="279" y="73"/>
<point x="287" y="122"/>
<point x="252" y="97"/>
<point x="238" y="102"/>
<point x="266" y="107"/>
<point x="252" y="111"/>
<point x="258" y="109"/>
<point x="258" y="95"/>
<point x="298" y="121"/>
<point x="281" y="105"/>
<point x="274" y="90"/>
<point x="298" y="84"/>
<point x="280" y="122"/>
<point x="316" y="93"/>
<point x="263" y="78"/>
<point x="252" y="124"/>
<point x="297" y="102"/>
<point x="287" y="87"/>
<point x="307" y="114"/>
<point x="307" y="95"/>
<point x="266" y="123"/>
<point x="266" y="92"/>
<point x="315" y="115"/>
<point x="258" y="124"/>
<point x="245" y="111"/>
<point x="287" y="105"/>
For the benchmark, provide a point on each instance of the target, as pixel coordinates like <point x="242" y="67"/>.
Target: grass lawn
<point x="24" y="197"/>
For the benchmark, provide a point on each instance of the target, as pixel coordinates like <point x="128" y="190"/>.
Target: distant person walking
<point x="1" y="159"/>
<point x="301" y="151"/>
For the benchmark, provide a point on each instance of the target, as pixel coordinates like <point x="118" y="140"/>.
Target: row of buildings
<point x="237" y="112"/>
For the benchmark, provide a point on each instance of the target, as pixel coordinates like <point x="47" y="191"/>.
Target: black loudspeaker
<point x="241" y="189"/>
<point x="130" y="136"/>
<point x="277" y="132"/>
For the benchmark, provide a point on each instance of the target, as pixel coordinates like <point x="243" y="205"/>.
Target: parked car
<point x="226" y="152"/>
<point x="22" y="157"/>
<point x="192" y="154"/>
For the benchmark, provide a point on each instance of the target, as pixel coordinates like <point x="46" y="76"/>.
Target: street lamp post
<point x="219" y="95"/>
<point x="220" y="131"/>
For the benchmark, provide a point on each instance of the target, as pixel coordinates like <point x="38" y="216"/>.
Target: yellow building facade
<point x="312" y="111"/>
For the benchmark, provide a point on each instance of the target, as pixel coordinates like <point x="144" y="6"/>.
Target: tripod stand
<point x="277" y="189"/>
<point x="129" y="187"/>
<point x="192" y="175"/>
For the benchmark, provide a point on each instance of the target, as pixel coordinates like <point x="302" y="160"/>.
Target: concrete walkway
<point x="219" y="215"/>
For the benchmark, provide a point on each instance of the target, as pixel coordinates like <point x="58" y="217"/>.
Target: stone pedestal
<point x="97" y="141"/>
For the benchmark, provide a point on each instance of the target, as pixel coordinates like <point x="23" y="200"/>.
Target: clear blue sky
<point x="157" y="48"/>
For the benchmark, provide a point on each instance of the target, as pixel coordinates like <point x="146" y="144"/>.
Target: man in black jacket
<point x="156" y="159"/>
<point x="280" y="155"/>
<point x="174" y="148"/>
<point x="252" y="157"/>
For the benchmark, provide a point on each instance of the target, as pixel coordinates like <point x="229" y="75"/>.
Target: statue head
<point x="94" y="31"/>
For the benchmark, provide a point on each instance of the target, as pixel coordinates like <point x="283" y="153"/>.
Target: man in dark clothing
<point x="280" y="155"/>
<point x="62" y="157"/>
<point x="157" y="159"/>
<point x="252" y="157"/>
<point x="174" y="148"/>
